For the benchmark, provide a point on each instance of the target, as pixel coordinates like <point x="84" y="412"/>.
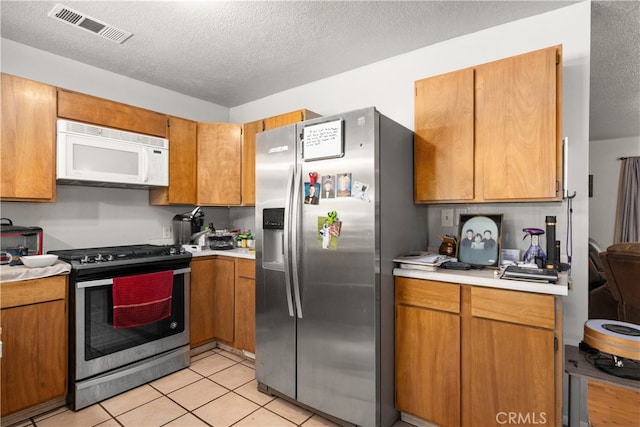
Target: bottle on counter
<point x="239" y="241"/>
<point x="250" y="240"/>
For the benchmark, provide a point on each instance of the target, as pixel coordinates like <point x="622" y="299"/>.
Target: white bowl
<point x="38" y="260"/>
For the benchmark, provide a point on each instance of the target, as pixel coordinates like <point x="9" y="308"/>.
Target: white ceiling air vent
<point x="78" y="19"/>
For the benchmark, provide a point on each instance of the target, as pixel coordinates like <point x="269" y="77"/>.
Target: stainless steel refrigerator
<point x="324" y="281"/>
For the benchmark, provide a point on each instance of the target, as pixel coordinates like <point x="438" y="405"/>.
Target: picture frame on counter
<point x="480" y="239"/>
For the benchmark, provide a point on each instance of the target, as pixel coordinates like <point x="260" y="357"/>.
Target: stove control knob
<point x="182" y="250"/>
<point x="110" y="257"/>
<point x="84" y="259"/>
<point x="99" y="258"/>
<point x="172" y="251"/>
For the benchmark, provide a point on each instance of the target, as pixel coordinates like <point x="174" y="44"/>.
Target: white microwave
<point x="98" y="156"/>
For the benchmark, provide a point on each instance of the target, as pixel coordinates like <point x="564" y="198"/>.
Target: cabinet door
<point x="34" y="355"/>
<point x="219" y="164"/>
<point x="104" y="112"/>
<point x="512" y="371"/>
<point x="517" y="143"/>
<point x="27" y="154"/>
<point x="245" y="314"/>
<point x="223" y="299"/>
<point x="201" y="316"/>
<point x="182" y="165"/>
<point x="287" y="119"/>
<point x="245" y="305"/>
<point x="249" y="131"/>
<point x="428" y="364"/>
<point x="443" y="142"/>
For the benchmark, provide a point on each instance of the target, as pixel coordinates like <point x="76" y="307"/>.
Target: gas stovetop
<point x="120" y="255"/>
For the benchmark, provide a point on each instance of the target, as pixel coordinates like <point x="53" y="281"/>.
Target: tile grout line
<point x="237" y="360"/>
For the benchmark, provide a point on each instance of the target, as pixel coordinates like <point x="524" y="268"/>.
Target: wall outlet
<point x="447" y="217"/>
<point x="166" y="232"/>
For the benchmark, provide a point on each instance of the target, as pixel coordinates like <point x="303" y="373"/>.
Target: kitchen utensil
<point x="35" y="261"/>
<point x="187" y="224"/>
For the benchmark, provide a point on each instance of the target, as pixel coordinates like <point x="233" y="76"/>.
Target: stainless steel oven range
<point x="106" y="357"/>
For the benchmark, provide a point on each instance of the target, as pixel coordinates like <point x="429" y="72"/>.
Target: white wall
<point x="41" y="66"/>
<point x="388" y="85"/>
<point x="604" y="165"/>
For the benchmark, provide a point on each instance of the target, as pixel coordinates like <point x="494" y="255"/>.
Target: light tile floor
<point x="218" y="389"/>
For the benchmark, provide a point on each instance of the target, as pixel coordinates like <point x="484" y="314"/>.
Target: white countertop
<point x="488" y="278"/>
<point x="235" y="253"/>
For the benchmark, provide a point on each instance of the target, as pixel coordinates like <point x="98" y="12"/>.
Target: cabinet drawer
<point x="428" y="294"/>
<point x="25" y="292"/>
<point x="524" y="308"/>
<point x="246" y="268"/>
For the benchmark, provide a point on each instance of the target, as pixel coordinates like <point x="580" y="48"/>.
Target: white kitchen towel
<point x="21" y="272"/>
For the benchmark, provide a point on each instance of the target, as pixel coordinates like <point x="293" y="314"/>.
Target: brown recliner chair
<point x="621" y="263"/>
<point x="596" y="272"/>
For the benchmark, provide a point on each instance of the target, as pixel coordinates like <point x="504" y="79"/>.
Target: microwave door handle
<point x="145" y="164"/>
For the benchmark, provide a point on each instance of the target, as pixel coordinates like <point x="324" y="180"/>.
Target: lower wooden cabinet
<point x="212" y="300"/>
<point x="201" y="302"/>
<point x="34" y="343"/>
<point x="223" y="302"/>
<point x="223" y="299"/>
<point x="469" y="355"/>
<point x="245" y="305"/>
<point x="610" y="405"/>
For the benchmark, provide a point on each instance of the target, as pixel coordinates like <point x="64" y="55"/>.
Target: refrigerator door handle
<point x="287" y="240"/>
<point x="295" y="218"/>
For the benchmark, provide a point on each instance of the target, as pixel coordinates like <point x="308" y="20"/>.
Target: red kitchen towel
<point x="141" y="299"/>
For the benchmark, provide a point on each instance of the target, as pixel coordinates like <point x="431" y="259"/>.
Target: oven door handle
<point x="107" y="282"/>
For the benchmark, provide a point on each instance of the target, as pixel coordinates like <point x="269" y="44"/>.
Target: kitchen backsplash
<point x="94" y="216"/>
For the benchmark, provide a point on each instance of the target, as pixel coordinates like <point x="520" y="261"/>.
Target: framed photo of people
<point x="479" y="239"/>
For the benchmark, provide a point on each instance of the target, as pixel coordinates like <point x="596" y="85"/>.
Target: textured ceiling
<point x="230" y="53"/>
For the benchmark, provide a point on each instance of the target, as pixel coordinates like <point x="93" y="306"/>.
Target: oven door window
<point x="101" y="338"/>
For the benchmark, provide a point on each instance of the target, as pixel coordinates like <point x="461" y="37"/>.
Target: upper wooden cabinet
<point x="218" y="164"/>
<point x="103" y="112"/>
<point x="182" y="165"/>
<point x="443" y="141"/>
<point x="27" y="155"/>
<point x="249" y="131"/>
<point x="491" y="133"/>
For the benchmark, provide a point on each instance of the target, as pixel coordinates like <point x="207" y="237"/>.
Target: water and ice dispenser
<point x="273" y="238"/>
